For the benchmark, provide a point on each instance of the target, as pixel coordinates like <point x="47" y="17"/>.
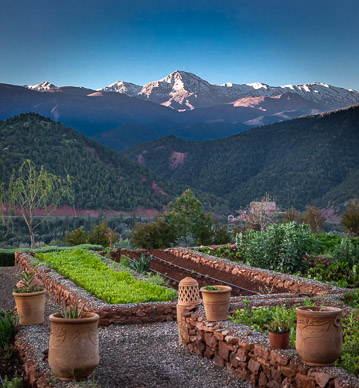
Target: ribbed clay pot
<point x="319" y="334"/>
<point x="279" y="340"/>
<point x="30" y="307"/>
<point x="74" y="349"/>
<point x="216" y="303"/>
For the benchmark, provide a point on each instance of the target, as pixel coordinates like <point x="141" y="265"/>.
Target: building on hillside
<point x="264" y="206"/>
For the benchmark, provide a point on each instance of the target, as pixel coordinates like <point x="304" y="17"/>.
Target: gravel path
<point x="146" y="356"/>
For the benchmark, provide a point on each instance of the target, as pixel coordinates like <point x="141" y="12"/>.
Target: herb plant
<point x="72" y="313"/>
<point x="143" y="265"/>
<point x="27" y="278"/>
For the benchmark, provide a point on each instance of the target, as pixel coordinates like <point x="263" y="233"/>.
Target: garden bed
<point x="248" y="354"/>
<point x="68" y="293"/>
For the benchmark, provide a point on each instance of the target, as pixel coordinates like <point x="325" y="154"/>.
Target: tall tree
<point x="350" y="218"/>
<point x="29" y="190"/>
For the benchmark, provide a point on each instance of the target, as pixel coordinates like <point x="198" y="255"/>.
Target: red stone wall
<point x="251" y="358"/>
<point x="67" y="293"/>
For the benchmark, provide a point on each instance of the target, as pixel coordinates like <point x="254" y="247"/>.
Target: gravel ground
<point x="146" y="356"/>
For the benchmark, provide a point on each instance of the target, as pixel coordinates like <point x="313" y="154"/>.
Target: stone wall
<point x="67" y="293"/>
<point x="284" y="282"/>
<point x="248" y="354"/>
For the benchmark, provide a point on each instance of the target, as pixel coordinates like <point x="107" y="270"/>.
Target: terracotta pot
<point x="216" y="303"/>
<point x="319" y="334"/>
<point x="30" y="307"/>
<point x="279" y="340"/>
<point x="73" y="350"/>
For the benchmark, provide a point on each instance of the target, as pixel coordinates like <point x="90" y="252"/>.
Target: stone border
<point x="248" y="354"/>
<point x="288" y="283"/>
<point x="68" y="293"/>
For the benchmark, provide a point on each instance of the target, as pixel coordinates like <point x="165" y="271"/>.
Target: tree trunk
<point x="32" y="238"/>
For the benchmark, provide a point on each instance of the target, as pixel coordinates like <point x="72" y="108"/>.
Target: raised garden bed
<point x="68" y="293"/>
<point x="247" y="352"/>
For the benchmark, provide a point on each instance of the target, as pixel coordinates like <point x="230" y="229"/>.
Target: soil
<point x="11" y="365"/>
<point x="189" y="266"/>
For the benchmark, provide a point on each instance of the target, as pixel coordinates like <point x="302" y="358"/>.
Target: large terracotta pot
<point x="279" y="340"/>
<point x="30" y="307"/>
<point x="216" y="303"/>
<point x="73" y="350"/>
<point x="319" y="334"/>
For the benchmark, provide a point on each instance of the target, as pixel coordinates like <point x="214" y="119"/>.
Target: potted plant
<point x="279" y="328"/>
<point x="319" y="334"/>
<point x="216" y="302"/>
<point x="73" y="349"/>
<point x="29" y="297"/>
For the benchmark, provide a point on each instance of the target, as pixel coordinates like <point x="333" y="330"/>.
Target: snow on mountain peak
<point x="41" y="86"/>
<point x="123" y="87"/>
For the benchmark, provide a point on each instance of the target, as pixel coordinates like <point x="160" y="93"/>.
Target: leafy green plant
<point x="27" y="286"/>
<point x="72" y="312"/>
<point x="282" y="320"/>
<point x="86" y="269"/>
<point x="351" y="298"/>
<point x="9" y="324"/>
<point x="142" y="265"/>
<point x="347" y="252"/>
<point x="281" y="248"/>
<point x="211" y="288"/>
<point x="15" y="382"/>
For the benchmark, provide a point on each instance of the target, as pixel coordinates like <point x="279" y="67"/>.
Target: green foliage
<point x="349" y="359"/>
<point x="9" y="323"/>
<point x="225" y="252"/>
<point x="142" y="265"/>
<point x="15" y="382"/>
<point x="72" y="313"/>
<point x="27" y="279"/>
<point x="76" y="237"/>
<point x="347" y="252"/>
<point x="156" y="235"/>
<point x="282" y="320"/>
<point x="351" y="298"/>
<point x="337" y="273"/>
<point x="187" y="219"/>
<point x="211" y="288"/>
<point x="350" y="218"/>
<point x="281" y="248"/>
<point x="326" y="242"/>
<point x="87" y="270"/>
<point x="29" y="189"/>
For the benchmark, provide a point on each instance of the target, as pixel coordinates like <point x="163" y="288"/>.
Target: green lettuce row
<point x="88" y="271"/>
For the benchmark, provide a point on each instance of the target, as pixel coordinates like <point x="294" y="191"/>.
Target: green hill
<point x="102" y="178"/>
<point x="311" y="160"/>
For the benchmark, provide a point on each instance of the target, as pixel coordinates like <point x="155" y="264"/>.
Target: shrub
<point x="313" y="217"/>
<point x="347" y="252"/>
<point x="350" y="218"/>
<point x="86" y="269"/>
<point x="76" y="237"/>
<point x="281" y="248"/>
<point x="9" y="323"/>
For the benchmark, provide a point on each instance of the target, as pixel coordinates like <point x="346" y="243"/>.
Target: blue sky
<point x="93" y="43"/>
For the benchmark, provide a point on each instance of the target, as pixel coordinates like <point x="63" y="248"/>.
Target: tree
<point x="350" y="218"/>
<point x="29" y="190"/>
<point x="313" y="217"/>
<point x="156" y="235"/>
<point x="293" y="214"/>
<point x="187" y="219"/>
<point x="76" y="237"/>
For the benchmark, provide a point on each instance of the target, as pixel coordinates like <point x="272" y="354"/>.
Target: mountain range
<point x="182" y="104"/>
<point x="312" y="160"/>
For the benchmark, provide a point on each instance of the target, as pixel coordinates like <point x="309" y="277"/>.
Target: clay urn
<point x="30" y="307"/>
<point x="279" y="340"/>
<point x="216" y="302"/>
<point x="319" y="334"/>
<point x="74" y="347"/>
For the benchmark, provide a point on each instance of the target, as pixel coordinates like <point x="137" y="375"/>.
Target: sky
<point x="93" y="43"/>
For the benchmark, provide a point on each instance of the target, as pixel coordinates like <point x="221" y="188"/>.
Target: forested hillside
<point x="102" y="178"/>
<point x="311" y="160"/>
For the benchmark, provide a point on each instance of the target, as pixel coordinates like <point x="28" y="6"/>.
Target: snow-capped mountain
<point x="43" y="86"/>
<point x="186" y="91"/>
<point x="123" y="87"/>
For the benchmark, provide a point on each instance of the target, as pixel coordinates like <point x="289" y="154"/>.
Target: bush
<point x="281" y="248"/>
<point x="86" y="269"/>
<point x="9" y="323"/>
<point x="350" y="218"/>
<point x="76" y="237"/>
<point x="347" y="252"/>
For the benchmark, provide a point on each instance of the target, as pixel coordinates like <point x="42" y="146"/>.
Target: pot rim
<point x="222" y="290"/>
<point x="318" y="311"/>
<point x="279" y="332"/>
<point x="91" y="317"/>
<point x="27" y="294"/>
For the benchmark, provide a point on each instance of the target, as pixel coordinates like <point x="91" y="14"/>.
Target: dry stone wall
<point x="248" y="354"/>
<point x="284" y="282"/>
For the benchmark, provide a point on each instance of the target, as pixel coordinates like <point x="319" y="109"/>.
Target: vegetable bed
<point x="87" y="270"/>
